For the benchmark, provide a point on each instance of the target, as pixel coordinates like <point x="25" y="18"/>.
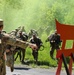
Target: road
<point x="32" y="71"/>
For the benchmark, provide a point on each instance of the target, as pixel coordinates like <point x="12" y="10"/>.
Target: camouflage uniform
<point x="55" y="42"/>
<point x="10" y="57"/>
<point x="38" y="42"/>
<point x="5" y="39"/>
<point x="19" y="34"/>
<point x="23" y="36"/>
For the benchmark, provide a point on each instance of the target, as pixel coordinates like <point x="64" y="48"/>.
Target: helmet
<point x="1" y="22"/>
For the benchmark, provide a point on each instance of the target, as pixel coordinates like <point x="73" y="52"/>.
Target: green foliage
<point x="14" y="4"/>
<point x="37" y="14"/>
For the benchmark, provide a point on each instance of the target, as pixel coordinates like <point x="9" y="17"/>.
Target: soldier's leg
<point x="4" y="69"/>
<point x="23" y="54"/>
<point x="18" y="51"/>
<point x="19" y="54"/>
<point x="1" y="69"/>
<point x="12" y="63"/>
<point x="57" y="48"/>
<point x="51" y="52"/>
<point x="33" y="53"/>
<point x="16" y="56"/>
<point x="36" y="56"/>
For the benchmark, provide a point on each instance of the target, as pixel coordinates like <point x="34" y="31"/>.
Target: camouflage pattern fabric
<point x="5" y="40"/>
<point x="9" y="60"/>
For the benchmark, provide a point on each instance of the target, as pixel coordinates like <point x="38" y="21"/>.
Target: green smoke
<point x="36" y="14"/>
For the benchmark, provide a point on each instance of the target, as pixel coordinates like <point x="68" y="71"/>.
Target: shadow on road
<point x="21" y="68"/>
<point x="39" y="63"/>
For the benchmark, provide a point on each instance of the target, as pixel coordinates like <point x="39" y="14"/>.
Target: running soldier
<point x="55" y="42"/>
<point x="38" y="42"/>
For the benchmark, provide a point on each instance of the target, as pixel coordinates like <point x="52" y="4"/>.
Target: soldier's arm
<point x="14" y="42"/>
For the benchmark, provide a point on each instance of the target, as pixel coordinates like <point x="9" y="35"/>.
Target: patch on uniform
<point x="0" y="41"/>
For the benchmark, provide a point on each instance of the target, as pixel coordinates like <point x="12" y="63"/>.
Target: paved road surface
<point x="32" y="71"/>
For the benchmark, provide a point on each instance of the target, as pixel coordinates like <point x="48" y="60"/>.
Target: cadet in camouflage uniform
<point x="22" y="36"/>
<point x="38" y="42"/>
<point x="55" y="42"/>
<point x="10" y="51"/>
<point x="5" y="39"/>
<point x="2" y="53"/>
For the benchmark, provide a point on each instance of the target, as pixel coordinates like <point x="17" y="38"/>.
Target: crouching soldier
<point x="36" y="41"/>
<point x="55" y="42"/>
<point x="5" y="40"/>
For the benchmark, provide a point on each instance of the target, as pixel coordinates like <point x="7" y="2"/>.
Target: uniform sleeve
<point x="14" y="42"/>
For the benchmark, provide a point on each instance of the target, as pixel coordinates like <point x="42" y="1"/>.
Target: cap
<point x="1" y="22"/>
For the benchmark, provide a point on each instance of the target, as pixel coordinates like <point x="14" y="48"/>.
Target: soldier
<point x="2" y="53"/>
<point x="55" y="42"/>
<point x="23" y="36"/>
<point x="20" y="34"/>
<point x="38" y="42"/>
<point x="23" y="29"/>
<point x="5" y="39"/>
